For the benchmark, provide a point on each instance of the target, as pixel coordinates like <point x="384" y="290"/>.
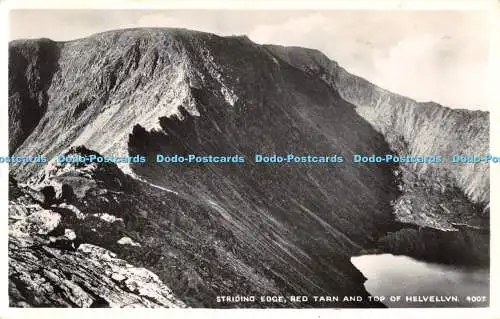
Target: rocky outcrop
<point x="49" y="266"/>
<point x="465" y="247"/>
<point x="89" y="276"/>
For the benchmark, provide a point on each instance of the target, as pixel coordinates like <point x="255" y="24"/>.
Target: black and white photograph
<point x="210" y="158"/>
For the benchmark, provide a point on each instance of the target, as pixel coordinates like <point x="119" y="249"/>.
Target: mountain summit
<point x="214" y="230"/>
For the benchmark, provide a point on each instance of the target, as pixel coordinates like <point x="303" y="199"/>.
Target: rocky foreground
<point x="52" y="265"/>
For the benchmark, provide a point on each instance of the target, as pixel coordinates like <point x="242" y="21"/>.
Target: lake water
<point x="389" y="275"/>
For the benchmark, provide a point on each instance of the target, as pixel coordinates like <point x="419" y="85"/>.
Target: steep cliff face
<point x="210" y="230"/>
<point x="426" y="128"/>
<point x="413" y="128"/>
<point x="102" y="82"/>
<point x="31" y="67"/>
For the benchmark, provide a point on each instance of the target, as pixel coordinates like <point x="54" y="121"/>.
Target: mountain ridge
<point x="375" y="105"/>
<point x="274" y="229"/>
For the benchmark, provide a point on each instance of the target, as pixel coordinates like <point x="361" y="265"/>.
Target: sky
<point x="439" y="56"/>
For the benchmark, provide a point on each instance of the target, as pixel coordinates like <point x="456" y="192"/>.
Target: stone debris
<point x="128" y="241"/>
<point x="55" y="270"/>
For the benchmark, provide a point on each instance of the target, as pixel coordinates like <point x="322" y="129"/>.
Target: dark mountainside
<point x="166" y="235"/>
